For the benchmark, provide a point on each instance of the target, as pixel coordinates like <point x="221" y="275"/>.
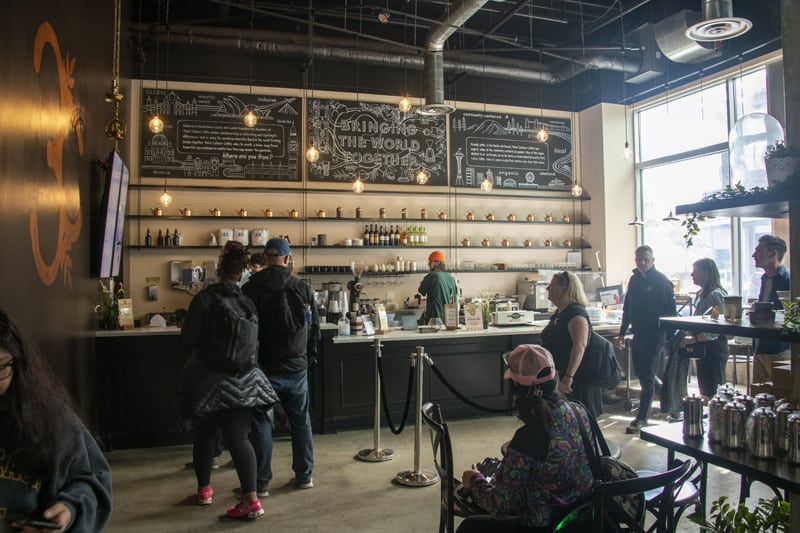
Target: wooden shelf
<point x="411" y="221"/>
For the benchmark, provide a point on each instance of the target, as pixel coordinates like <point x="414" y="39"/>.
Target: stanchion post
<point x="376" y="454"/>
<point x="417" y="477"/>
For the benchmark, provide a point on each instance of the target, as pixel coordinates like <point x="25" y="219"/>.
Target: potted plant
<point x="768" y="516"/>
<point x="791" y="320"/>
<point x="780" y="163"/>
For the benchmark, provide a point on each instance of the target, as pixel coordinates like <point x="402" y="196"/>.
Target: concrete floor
<point x="154" y="492"/>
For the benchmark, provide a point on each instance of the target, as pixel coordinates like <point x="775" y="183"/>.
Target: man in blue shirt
<point x="768" y="255"/>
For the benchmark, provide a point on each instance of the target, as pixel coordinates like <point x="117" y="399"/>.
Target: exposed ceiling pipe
<point x="434" y="56"/>
<point x="334" y="49"/>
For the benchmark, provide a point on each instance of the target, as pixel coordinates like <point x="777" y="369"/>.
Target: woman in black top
<point x="566" y="337"/>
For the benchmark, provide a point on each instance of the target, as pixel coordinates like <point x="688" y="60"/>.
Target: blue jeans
<point x="292" y="389"/>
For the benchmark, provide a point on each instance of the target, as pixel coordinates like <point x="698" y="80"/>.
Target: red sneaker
<point x="245" y="509"/>
<point x="205" y="495"/>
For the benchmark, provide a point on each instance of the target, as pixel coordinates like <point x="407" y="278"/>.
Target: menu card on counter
<point x="473" y="317"/>
<point x="381" y="320"/>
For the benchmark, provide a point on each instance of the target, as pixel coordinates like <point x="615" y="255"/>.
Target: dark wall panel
<point x="52" y="121"/>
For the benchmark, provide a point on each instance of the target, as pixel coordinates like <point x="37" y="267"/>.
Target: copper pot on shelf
<point x="242" y="212"/>
<point x="267" y="212"/>
<point x="465" y="241"/>
<point x="505" y="242"/>
<point x="321" y="213"/>
<point x="215" y="212"/>
<point x="157" y="211"/>
<point x="486" y="241"/>
<point x="528" y="242"/>
<point x="530" y="217"/>
<point x="186" y="211"/>
<point x="511" y="217"/>
<point x="293" y="213"/>
<point x="442" y="215"/>
<point x="470" y="215"/>
<point x="565" y="217"/>
<point x="490" y="215"/>
<point x="548" y="217"/>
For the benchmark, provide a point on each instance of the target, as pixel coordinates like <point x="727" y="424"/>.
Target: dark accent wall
<point x="52" y="126"/>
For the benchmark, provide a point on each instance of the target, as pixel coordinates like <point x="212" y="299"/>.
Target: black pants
<point x="646" y="363"/>
<point x="711" y="368"/>
<point x="235" y="426"/>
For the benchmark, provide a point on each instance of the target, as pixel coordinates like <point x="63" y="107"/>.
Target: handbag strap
<point x="587" y="443"/>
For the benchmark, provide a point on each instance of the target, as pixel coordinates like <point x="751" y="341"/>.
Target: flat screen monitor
<point x="108" y="249"/>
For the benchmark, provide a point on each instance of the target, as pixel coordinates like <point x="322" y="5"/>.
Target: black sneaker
<point x="634" y="427"/>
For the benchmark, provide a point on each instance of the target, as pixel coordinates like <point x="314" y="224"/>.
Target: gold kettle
<point x="293" y="213"/>
<point x="470" y="215"/>
<point x="511" y="217"/>
<point x="216" y="212"/>
<point x="242" y="212"/>
<point x="158" y="211"/>
<point x="530" y="217"/>
<point x="442" y="215"/>
<point x="465" y="241"/>
<point x="528" y="242"/>
<point x="267" y="212"/>
<point x="565" y="217"/>
<point x="186" y="211"/>
<point x="505" y="242"/>
<point x="321" y="213"/>
<point x="490" y="215"/>
<point x="548" y="217"/>
<point x="548" y="242"/>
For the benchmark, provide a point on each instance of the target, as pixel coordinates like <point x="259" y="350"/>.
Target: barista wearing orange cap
<point x="438" y="286"/>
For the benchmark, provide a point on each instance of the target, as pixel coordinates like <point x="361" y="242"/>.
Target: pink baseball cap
<point x="529" y="364"/>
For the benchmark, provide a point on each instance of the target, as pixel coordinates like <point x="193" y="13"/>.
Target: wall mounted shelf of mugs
<point x="454" y="218"/>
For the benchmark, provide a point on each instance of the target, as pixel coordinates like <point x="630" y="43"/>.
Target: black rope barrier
<point x="385" y="402"/>
<point x="505" y="411"/>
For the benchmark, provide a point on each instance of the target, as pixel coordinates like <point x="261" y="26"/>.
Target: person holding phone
<point x="56" y="478"/>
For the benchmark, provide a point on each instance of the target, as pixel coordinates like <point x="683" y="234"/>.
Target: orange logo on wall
<point x="68" y="231"/>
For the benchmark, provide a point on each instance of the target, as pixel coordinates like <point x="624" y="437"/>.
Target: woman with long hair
<point x="53" y="468"/>
<point x="566" y="337"/>
<point x="217" y="396"/>
<point x="545" y="470"/>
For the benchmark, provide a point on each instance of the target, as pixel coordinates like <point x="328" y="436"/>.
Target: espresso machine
<point x="337" y="301"/>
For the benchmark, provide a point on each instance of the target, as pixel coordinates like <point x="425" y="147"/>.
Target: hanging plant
<point x="691" y="225"/>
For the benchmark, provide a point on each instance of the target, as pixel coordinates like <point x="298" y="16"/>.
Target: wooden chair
<point x="451" y="503"/>
<point x="605" y="510"/>
<point x="685" y="492"/>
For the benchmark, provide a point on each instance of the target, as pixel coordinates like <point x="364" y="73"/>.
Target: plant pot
<point x="780" y="168"/>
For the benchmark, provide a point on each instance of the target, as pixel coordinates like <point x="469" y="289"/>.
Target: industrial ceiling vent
<point x="718" y="23"/>
<point x="434" y="86"/>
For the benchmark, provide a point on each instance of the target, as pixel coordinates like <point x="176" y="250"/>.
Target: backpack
<point x="282" y="318"/>
<point x="599" y="366"/>
<point x="232" y="341"/>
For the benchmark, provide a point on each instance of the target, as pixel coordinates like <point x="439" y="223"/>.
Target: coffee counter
<point x="137" y="369"/>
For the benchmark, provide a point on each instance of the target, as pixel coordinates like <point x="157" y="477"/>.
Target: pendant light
<point x="627" y="151"/>
<point x="156" y="125"/>
<point x="405" y="104"/>
<point x="250" y="117"/>
<point x="542" y="134"/>
<point x="486" y="184"/>
<point x="422" y="176"/>
<point x="115" y="129"/>
<point x="312" y="152"/>
<point x="358" y="185"/>
<point x="166" y="198"/>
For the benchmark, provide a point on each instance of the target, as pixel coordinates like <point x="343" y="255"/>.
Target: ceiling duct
<point x="718" y="23"/>
<point x="671" y="37"/>
<point x="434" y="58"/>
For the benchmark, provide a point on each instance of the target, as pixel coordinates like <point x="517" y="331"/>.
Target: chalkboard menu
<point x="504" y="147"/>
<point x="377" y="142"/>
<point x="205" y="137"/>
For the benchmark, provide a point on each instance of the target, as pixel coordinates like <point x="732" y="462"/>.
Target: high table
<point x="738" y="328"/>
<point x="774" y="472"/>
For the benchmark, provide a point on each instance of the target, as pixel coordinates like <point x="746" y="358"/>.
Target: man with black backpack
<point x="287" y="345"/>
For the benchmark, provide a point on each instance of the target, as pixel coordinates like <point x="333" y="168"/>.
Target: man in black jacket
<point x="287" y="344"/>
<point x="650" y="296"/>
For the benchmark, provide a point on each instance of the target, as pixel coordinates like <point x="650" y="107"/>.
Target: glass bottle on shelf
<point x="168" y="238"/>
<point x="396" y="235"/>
<point x="366" y="235"/>
<point x="148" y="238"/>
<point x="160" y="238"/>
<point x="176" y="238"/>
<point x="403" y="237"/>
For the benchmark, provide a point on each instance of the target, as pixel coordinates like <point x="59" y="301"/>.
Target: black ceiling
<point x="232" y="41"/>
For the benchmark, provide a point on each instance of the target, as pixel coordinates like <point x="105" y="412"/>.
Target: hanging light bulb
<point x="486" y="184"/>
<point x="542" y="135"/>
<point x="422" y="176"/>
<point x="166" y="198"/>
<point x="156" y="125"/>
<point x="250" y="118"/>
<point x="312" y="154"/>
<point x="405" y="104"/>
<point x="627" y="152"/>
<point x="358" y="185"/>
<point x="577" y="190"/>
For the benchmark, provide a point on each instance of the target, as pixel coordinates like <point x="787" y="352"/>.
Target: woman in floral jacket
<point x="545" y="471"/>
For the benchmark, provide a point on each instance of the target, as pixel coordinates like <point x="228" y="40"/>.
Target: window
<point x="683" y="155"/>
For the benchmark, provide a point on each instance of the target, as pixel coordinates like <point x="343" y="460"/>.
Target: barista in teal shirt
<point x="439" y="286"/>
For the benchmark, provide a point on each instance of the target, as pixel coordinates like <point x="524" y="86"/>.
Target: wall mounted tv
<point x="108" y="232"/>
